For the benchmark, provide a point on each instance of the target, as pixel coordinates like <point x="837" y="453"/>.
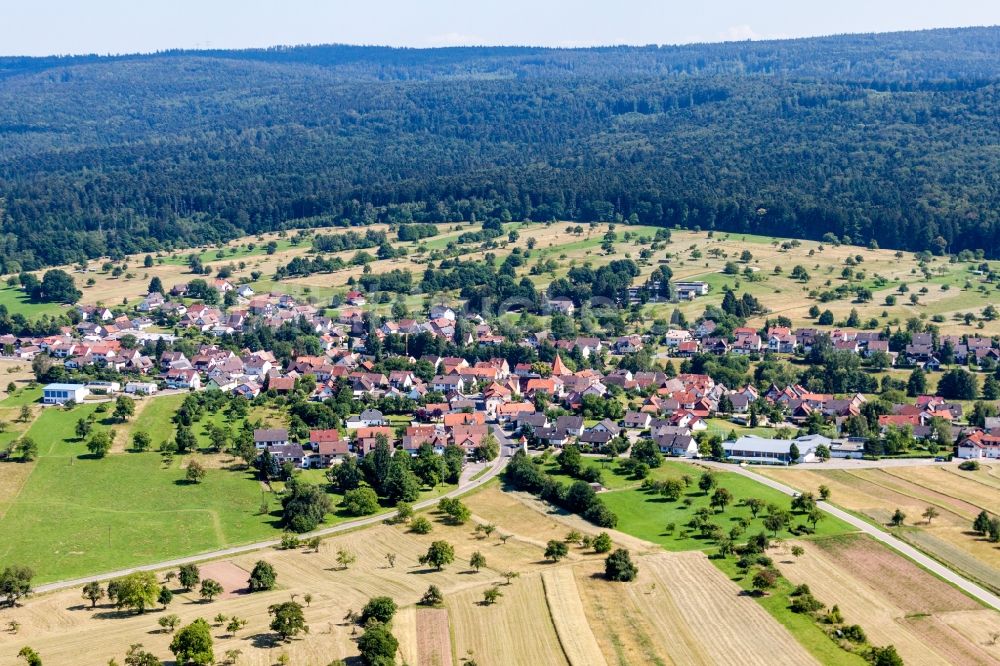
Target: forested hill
<point x="893" y="138"/>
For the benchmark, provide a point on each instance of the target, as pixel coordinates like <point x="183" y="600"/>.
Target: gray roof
<point x="270" y="435"/>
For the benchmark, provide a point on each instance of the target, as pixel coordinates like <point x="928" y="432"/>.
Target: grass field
<point x="685" y="605"/>
<point x="646" y="515"/>
<point x="957" y="496"/>
<point x="74" y="515"/>
<point x="68" y="515"/>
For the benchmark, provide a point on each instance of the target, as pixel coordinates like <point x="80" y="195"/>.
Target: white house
<point x="367" y="419"/>
<point x="141" y="388"/>
<point x="58" y="394"/>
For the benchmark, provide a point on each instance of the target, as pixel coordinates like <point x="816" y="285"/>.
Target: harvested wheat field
<point x="957" y="496"/>
<point x="517" y="630"/>
<point x="683" y="610"/>
<point x="58" y="625"/>
<point x="896" y="602"/>
<point x="570" y="620"/>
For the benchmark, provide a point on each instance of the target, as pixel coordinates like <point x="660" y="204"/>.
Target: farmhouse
<point x="57" y="394"/>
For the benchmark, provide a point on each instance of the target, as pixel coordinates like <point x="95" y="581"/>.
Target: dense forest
<point x="887" y="138"/>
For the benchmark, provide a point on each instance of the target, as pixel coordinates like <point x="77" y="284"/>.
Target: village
<point x="452" y="399"/>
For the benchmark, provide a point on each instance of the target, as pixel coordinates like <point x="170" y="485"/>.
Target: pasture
<point x="957" y="496"/>
<point x="649" y="516"/>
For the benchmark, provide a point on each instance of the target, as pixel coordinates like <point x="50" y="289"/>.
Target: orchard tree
<point x="619" y="566"/>
<point x="263" y="577"/>
<point x="477" y="561"/>
<point x="287" y="620"/>
<point x="193" y="644"/>
<point x="210" y="589"/>
<point x="439" y="554"/>
<point x="556" y="550"/>
<point x="188" y="576"/>
<point x="93" y="592"/>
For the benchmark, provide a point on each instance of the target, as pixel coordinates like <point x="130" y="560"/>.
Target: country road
<point x="932" y="565"/>
<point x="464" y="487"/>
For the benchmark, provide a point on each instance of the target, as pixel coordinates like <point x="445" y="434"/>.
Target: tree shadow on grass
<point x="265" y="641"/>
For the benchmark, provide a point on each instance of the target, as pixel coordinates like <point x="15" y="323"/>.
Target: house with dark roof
<point x="266" y="438"/>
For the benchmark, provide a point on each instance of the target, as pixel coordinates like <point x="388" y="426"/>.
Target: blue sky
<point x="40" y="27"/>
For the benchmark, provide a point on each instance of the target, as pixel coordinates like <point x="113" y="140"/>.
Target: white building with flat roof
<point x="58" y="394"/>
<point x="766" y="451"/>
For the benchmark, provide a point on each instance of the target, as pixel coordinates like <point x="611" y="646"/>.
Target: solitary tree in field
<point x="432" y="597"/>
<point x="391" y="559"/>
<point x="477" y="561"/>
<point x="308" y="598"/>
<point x="93" y="592"/>
<point x="193" y="644"/>
<point x="706" y="482"/>
<point x="602" y="543"/>
<point x="99" y="443"/>
<point x="774" y="522"/>
<point x="169" y="622"/>
<point x="982" y="523"/>
<point x="930" y="513"/>
<point x="220" y="619"/>
<point x="25" y="414"/>
<point x="764" y="580"/>
<point x="619" y="566"/>
<point x="263" y="577"/>
<point x="345" y="558"/>
<point x="234" y="625"/>
<point x="556" y="550"/>
<point x="814" y="516"/>
<point x="165" y="597"/>
<point x="210" y="589"/>
<point x="798" y="551"/>
<point x="824" y="493"/>
<point x="195" y="472"/>
<point x="287" y="619"/>
<point x="141" y="441"/>
<point x="124" y="408"/>
<point x="510" y="575"/>
<point x="898" y="517"/>
<point x="30" y="656"/>
<point x="439" y="554"/>
<point x="491" y="595"/>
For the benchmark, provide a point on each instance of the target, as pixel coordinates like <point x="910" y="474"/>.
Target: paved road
<point x="983" y="595"/>
<point x="464" y="486"/>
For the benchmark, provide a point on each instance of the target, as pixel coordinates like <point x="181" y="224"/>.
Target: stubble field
<point x="957" y="496"/>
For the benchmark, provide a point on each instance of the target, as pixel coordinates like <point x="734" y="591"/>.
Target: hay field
<point x="958" y="497"/>
<point x="895" y="601"/>
<point x="566" y="608"/>
<point x="702" y="605"/>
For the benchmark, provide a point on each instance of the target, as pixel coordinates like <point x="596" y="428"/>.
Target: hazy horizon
<point x="112" y="27"/>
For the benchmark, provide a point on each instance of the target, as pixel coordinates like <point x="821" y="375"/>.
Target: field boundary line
<point x="939" y="492"/>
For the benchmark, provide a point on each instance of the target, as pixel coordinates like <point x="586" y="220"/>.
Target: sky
<point x="47" y="27"/>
